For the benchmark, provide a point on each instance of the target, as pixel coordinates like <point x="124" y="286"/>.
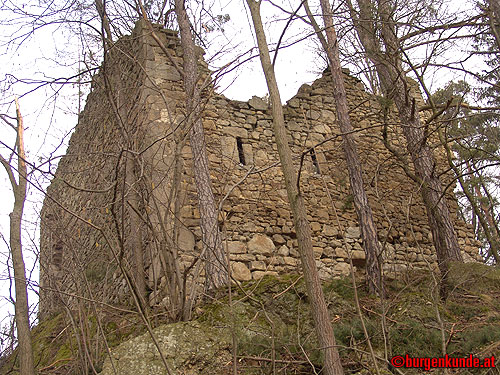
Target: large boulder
<point x="190" y="348"/>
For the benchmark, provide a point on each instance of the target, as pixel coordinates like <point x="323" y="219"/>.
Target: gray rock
<point x="342" y="269"/>
<point x="294" y="103"/>
<point x="352" y="232"/>
<point x="189" y="348"/>
<point x="258" y="103"/>
<point x="313" y="115"/>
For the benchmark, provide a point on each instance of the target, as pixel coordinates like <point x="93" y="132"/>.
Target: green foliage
<point x="413" y="337"/>
<point x="342" y="288"/>
<point x="464" y="311"/>
<point x="468" y="342"/>
<point x="351" y="331"/>
<point x="274" y="312"/>
<point x="96" y="273"/>
<point x="348" y="202"/>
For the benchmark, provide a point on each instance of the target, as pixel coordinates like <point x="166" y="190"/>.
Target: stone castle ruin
<point x="114" y="191"/>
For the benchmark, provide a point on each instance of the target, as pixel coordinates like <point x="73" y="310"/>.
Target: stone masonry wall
<point x="85" y="227"/>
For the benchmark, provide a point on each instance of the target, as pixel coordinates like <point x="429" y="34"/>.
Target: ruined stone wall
<point x="85" y="227"/>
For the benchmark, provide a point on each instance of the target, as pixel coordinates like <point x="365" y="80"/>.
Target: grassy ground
<point x="271" y="324"/>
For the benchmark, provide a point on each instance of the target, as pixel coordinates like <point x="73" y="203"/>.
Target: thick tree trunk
<point x="443" y="231"/>
<point x="321" y="317"/>
<point x="396" y="87"/>
<point x="26" y="364"/>
<point x="215" y="258"/>
<point x="363" y="209"/>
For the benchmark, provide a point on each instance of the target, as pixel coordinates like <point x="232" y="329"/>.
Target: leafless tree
<point x="19" y="188"/>
<point x="322" y="322"/>
<point x="376" y="29"/>
<point x="361" y="204"/>
<point x="215" y="259"/>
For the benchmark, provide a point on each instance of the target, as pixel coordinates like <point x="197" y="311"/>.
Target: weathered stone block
<point x="261" y="244"/>
<point x="257" y="265"/>
<point x="236" y="247"/>
<point x="284" y="251"/>
<point x="278" y="239"/>
<point x="313" y="115"/>
<point x="186" y="239"/>
<point x="315" y="226"/>
<point x="240" y="271"/>
<point x="341" y="253"/>
<point x="342" y="269"/>
<point x="258" y="103"/>
<point x="236" y="131"/>
<point x="329" y="230"/>
<point x="353" y="232"/>
<point x="358" y="254"/>
<point x="257" y="275"/>
<point x="243" y="257"/>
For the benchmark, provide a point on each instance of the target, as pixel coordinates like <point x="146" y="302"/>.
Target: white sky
<point x="47" y="121"/>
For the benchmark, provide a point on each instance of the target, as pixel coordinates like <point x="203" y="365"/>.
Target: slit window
<point x="241" y="154"/>
<point x="315" y="161"/>
<point x="57" y="254"/>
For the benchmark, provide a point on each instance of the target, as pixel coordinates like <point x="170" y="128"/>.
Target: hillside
<point x="270" y="319"/>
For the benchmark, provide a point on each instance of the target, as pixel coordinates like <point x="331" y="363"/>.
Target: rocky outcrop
<point x="188" y="346"/>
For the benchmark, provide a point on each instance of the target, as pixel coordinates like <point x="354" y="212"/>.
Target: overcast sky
<point x="52" y="52"/>
<point x="50" y="112"/>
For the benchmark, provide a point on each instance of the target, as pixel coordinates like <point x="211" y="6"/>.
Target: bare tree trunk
<point x="479" y="208"/>
<point x="494" y="18"/>
<point x="136" y="227"/>
<point x="215" y="258"/>
<point x="321" y="317"/>
<point x="26" y="364"/>
<point x="485" y="218"/>
<point x="123" y="110"/>
<point x="363" y="209"/>
<point x="395" y="85"/>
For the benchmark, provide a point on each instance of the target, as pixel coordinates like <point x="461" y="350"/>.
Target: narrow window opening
<point x="57" y="254"/>
<point x="241" y="154"/>
<point x="315" y="161"/>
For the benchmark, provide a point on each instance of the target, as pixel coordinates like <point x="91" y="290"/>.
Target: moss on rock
<point x="191" y="346"/>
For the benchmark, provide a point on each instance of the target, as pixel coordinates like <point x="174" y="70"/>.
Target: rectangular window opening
<point x="315" y="161"/>
<point x="241" y="154"/>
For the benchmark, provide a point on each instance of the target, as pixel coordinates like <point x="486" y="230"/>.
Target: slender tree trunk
<point x="136" y="228"/>
<point x="479" y="209"/>
<point x="487" y="221"/>
<point x="395" y="85"/>
<point x="123" y="109"/>
<point x="494" y="17"/>
<point x="363" y="209"/>
<point x="321" y="317"/>
<point x="26" y="364"/>
<point x="215" y="258"/>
